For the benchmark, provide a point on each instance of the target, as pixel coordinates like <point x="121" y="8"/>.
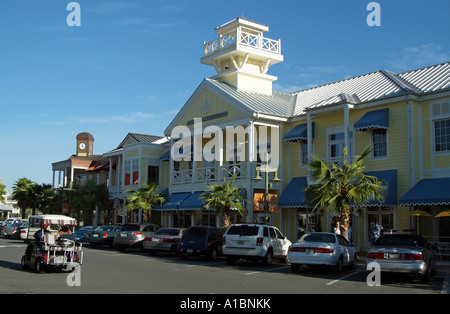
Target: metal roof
<point x="365" y="88"/>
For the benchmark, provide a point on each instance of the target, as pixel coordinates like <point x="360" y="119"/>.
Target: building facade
<point x="234" y="119"/>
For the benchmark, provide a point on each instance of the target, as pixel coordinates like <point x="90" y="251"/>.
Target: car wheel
<point x="338" y="267"/>
<point x="268" y="258"/>
<point x="354" y="264"/>
<point x="213" y="255"/>
<point x="425" y="278"/>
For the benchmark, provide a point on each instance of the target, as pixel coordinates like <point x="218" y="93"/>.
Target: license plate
<point x="95" y="235"/>
<point x="59" y="259"/>
<point x="309" y="251"/>
<point x="393" y="255"/>
<point x="190" y="250"/>
<point x="124" y="235"/>
<point x="156" y="240"/>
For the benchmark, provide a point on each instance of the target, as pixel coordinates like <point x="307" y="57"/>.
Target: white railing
<point x="239" y="37"/>
<point x="210" y="174"/>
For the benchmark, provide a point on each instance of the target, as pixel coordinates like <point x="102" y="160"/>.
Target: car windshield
<point x="196" y="232"/>
<point x="168" y="231"/>
<point x="318" y="237"/>
<point x="130" y="228"/>
<point x="243" y="230"/>
<point x="399" y="241"/>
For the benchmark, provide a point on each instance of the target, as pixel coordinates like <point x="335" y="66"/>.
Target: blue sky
<point x="134" y="63"/>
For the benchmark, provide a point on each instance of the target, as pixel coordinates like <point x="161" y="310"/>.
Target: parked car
<point x="12" y="230"/>
<point x="102" y="235"/>
<point x="254" y="242"/>
<point x="404" y="253"/>
<point x="163" y="240"/>
<point x="133" y="235"/>
<point x="23" y="231"/>
<point x="82" y="234"/>
<point x="201" y="241"/>
<point x="8" y="222"/>
<point x="322" y="249"/>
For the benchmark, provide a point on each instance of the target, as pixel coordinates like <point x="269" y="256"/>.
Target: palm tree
<point x="2" y="192"/>
<point x="89" y="197"/>
<point x="338" y="188"/>
<point x="146" y="199"/>
<point x="24" y="194"/>
<point x="224" y="198"/>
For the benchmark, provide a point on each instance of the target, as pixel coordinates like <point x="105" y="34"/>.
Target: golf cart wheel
<point x="23" y="263"/>
<point x="38" y="267"/>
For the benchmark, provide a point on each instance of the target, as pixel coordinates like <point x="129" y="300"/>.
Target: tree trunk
<point x="344" y="220"/>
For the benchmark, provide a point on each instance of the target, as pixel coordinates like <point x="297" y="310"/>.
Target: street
<point x="107" y="271"/>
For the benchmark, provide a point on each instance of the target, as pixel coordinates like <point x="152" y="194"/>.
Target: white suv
<point x="254" y="242"/>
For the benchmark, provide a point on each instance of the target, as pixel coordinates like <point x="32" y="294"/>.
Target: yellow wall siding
<point x="132" y="153"/>
<point x="217" y="106"/>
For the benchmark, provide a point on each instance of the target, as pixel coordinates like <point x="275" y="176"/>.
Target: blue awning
<point x="292" y="196"/>
<point x="192" y="202"/>
<point x="428" y="192"/>
<point x="165" y="156"/>
<point x="300" y="132"/>
<point x="378" y="119"/>
<point x="173" y="201"/>
<point x="389" y="177"/>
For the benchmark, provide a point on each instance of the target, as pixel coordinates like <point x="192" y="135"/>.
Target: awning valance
<point x="292" y="196"/>
<point x="428" y="192"/>
<point x="378" y="119"/>
<point x="300" y="132"/>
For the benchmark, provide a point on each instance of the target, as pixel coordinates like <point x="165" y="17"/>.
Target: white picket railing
<point x="239" y="37"/>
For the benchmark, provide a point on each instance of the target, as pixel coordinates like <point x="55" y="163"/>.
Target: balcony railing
<point x="210" y="174"/>
<point x="245" y="39"/>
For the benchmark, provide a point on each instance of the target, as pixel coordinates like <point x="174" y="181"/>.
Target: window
<point x="132" y="172"/>
<point x="379" y="142"/>
<point x="441" y="123"/>
<point x="336" y="144"/>
<point x="442" y="135"/>
<point x="303" y="152"/>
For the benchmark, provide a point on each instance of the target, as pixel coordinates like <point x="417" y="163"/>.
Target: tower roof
<point x="85" y="136"/>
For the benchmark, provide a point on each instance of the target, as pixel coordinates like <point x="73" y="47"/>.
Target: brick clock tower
<point x="85" y="144"/>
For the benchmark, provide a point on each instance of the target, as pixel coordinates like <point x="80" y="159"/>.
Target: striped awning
<point x="292" y="196"/>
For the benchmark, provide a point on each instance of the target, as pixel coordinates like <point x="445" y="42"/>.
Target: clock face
<point x="82" y="146"/>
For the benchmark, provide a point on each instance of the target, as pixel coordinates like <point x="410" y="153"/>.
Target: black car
<point x="201" y="241"/>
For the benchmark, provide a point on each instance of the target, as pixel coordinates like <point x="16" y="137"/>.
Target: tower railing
<point x="245" y="39"/>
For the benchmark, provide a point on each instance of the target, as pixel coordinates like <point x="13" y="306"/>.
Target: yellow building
<point x="405" y="117"/>
<point x="234" y="119"/>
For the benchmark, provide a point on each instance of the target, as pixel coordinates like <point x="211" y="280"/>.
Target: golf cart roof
<point x="44" y="220"/>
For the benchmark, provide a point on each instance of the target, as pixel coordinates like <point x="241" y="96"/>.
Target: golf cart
<point x="47" y="251"/>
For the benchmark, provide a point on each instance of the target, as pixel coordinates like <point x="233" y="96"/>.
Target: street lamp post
<point x="268" y="182"/>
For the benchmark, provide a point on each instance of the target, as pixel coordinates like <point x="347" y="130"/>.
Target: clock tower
<point x="85" y="144"/>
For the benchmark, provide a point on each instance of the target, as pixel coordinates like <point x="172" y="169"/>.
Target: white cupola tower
<point x="242" y="56"/>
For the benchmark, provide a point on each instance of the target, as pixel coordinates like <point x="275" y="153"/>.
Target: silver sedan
<point x="322" y="249"/>
<point x="163" y="240"/>
<point x="402" y="253"/>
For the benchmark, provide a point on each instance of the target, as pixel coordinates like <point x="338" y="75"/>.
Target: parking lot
<point x="106" y="270"/>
